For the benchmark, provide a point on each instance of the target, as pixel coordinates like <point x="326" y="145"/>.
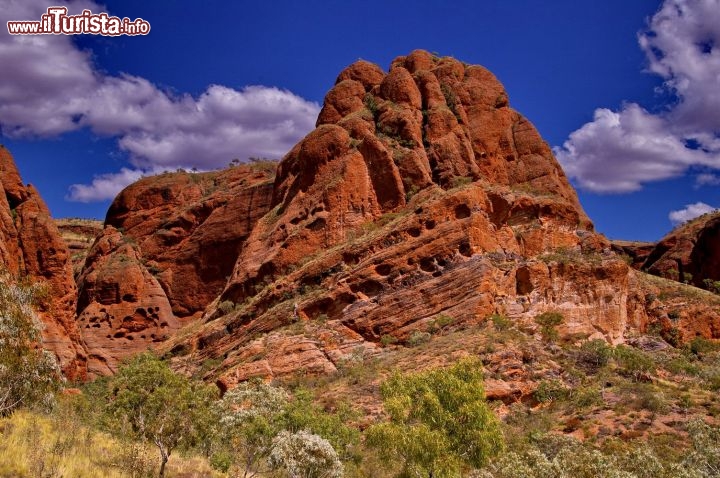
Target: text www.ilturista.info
<point x="57" y="22"/>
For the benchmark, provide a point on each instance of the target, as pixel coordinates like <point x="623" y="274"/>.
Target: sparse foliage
<point x="152" y="403"/>
<point x="548" y="322"/>
<point x="28" y="374"/>
<point x="250" y="417"/>
<point x="439" y="422"/>
<point x="304" y="455"/>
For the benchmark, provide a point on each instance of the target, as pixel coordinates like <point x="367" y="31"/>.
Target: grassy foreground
<point x="35" y="444"/>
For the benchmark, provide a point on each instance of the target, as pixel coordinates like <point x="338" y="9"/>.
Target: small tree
<point x="548" y="322"/>
<point x="28" y="374"/>
<point x="254" y="413"/>
<point x="251" y="415"/>
<point x="302" y="414"/>
<point x="305" y="455"/>
<point x="151" y="402"/>
<point x="439" y="421"/>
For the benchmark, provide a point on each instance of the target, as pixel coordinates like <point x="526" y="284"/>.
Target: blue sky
<point x="626" y="91"/>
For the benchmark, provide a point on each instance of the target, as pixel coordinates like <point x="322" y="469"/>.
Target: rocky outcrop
<point x="167" y="250"/>
<point x="636" y="252"/>
<point x="429" y="123"/>
<point x="421" y="198"/>
<point x="689" y="254"/>
<point x="78" y="235"/>
<point x="31" y="245"/>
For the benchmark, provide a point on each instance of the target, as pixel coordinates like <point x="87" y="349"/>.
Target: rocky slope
<point x="690" y="253"/>
<point x="166" y="251"/>
<point x="420" y="199"/>
<point x="31" y="245"/>
<point x="421" y="206"/>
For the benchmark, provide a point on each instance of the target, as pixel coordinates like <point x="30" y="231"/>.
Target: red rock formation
<point x="30" y="244"/>
<point x="690" y="253"/>
<point x="420" y="195"/>
<point x="636" y="251"/>
<point x="168" y="247"/>
<point x="380" y="140"/>
<point x="420" y="198"/>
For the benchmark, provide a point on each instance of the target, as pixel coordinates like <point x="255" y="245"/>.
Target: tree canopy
<point x="439" y="422"/>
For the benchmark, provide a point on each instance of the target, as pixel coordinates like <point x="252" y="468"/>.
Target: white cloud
<point x="707" y="179"/>
<point x="620" y="151"/>
<point x="103" y="186"/>
<point x="617" y="152"/>
<point x="53" y="87"/>
<point x="689" y="212"/>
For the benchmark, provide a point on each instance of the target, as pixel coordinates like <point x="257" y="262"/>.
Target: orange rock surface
<point x="690" y="253"/>
<point x="420" y="198"/>
<point x="30" y="244"/>
<point x="168" y="247"/>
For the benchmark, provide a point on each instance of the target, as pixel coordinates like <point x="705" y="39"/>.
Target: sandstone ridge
<point x="31" y="245"/>
<point x="420" y="199"/>
<point x="166" y="251"/>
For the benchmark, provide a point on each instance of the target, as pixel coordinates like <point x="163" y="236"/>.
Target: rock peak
<point x="441" y="122"/>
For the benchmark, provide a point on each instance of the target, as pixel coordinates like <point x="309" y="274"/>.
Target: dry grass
<point x="35" y="445"/>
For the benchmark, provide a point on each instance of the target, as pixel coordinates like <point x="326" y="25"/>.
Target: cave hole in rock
<point x="462" y="211"/>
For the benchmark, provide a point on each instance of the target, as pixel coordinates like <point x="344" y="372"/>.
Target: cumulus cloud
<point x="55" y="88"/>
<point x="689" y="212"/>
<point x="103" y="186"/>
<point x="619" y="151"/>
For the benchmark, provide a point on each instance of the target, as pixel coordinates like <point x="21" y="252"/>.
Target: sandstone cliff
<point x="420" y="199"/>
<point x="690" y="253"/>
<point x="78" y="235"/>
<point x="167" y="250"/>
<point x="30" y="245"/>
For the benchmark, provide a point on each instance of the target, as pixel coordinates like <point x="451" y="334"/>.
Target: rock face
<point x="690" y="253"/>
<point x="429" y="124"/>
<point x="637" y="252"/>
<point x="420" y="198"/>
<point x="78" y="235"/>
<point x="168" y="247"/>
<point x="30" y="244"/>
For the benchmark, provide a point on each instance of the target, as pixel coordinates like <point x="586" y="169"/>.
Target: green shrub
<point x="459" y="181"/>
<point x="673" y="336"/>
<point x="450" y="98"/>
<point x="551" y="391"/>
<point x="226" y="306"/>
<point x="500" y="322"/>
<point x="594" y="354"/>
<point x="548" y="322"/>
<point x="371" y="105"/>
<point x="701" y="345"/>
<point x="586" y="397"/>
<point x="387" y="340"/>
<point x="150" y="402"/>
<point x="29" y="375"/>
<point x="417" y="338"/>
<point x="712" y="285"/>
<point x="438" y="423"/>
<point x="633" y="362"/>
<point x="443" y="320"/>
